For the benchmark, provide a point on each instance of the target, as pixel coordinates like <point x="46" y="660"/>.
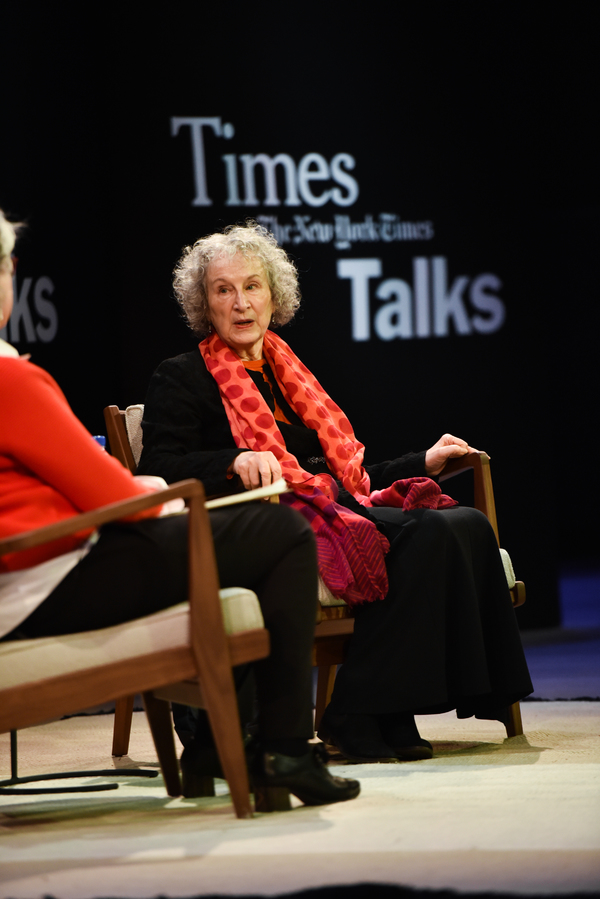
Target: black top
<point x="187" y="433"/>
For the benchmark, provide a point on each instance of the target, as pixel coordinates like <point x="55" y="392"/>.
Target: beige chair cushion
<point x="133" y="426"/>
<point x="508" y="569"/>
<point x="26" y="661"/>
<point x="326" y="597"/>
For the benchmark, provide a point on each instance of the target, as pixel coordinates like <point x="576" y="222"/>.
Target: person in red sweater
<point x="52" y="469"/>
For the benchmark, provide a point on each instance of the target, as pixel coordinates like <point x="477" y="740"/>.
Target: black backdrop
<point x="437" y="190"/>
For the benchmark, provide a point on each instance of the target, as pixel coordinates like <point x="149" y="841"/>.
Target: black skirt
<point x="445" y="637"/>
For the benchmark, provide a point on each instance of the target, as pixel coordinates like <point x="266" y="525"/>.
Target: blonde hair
<point x="251" y="241"/>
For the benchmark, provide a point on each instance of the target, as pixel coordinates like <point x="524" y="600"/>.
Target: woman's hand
<point x="257" y="469"/>
<point x="446" y="447"/>
<point x="153" y="484"/>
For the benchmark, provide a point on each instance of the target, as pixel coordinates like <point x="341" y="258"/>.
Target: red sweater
<point x="50" y="468"/>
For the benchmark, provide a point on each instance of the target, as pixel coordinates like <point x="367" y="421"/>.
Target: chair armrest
<point x="459" y="464"/>
<point x="482" y="482"/>
<point x="113" y="512"/>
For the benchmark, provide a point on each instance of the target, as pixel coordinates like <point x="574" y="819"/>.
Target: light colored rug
<point x="485" y="814"/>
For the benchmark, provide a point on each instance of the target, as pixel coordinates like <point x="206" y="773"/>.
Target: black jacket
<point x="187" y="434"/>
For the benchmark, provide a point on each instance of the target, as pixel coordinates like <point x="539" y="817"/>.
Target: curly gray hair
<point x="251" y="241"/>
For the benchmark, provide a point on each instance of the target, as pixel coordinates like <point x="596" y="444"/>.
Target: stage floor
<point x="487" y="813"/>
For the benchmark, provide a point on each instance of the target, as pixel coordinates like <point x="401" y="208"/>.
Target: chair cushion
<point x="508" y="569"/>
<point x="133" y="426"/>
<point x="241" y="610"/>
<point x="326" y="597"/>
<point x="24" y="661"/>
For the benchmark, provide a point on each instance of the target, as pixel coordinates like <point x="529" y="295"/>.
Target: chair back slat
<point x="116" y="431"/>
<point x="133" y="424"/>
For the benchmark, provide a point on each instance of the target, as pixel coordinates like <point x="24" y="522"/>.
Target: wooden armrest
<point x="463" y="463"/>
<point x="484" y="498"/>
<point x="113" y="512"/>
<point x="482" y="482"/>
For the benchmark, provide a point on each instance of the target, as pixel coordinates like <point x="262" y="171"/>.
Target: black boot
<point x="357" y="737"/>
<point x="274" y="776"/>
<point x="199" y="764"/>
<point x="400" y="731"/>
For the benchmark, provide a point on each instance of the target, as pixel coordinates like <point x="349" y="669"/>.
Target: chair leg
<point x="228" y="739"/>
<point x="224" y="720"/>
<point x="325" y="681"/>
<point x="161" y="727"/>
<point x="122" y="727"/>
<point x="514" y="724"/>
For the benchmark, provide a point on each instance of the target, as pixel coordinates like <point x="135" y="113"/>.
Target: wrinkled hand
<point x="446" y="447"/>
<point x="257" y="469"/>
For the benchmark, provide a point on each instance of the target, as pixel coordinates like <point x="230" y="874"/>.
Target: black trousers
<point x="137" y="569"/>
<point x="446" y="636"/>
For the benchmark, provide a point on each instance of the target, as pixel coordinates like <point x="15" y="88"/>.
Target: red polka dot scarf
<point x="351" y="550"/>
<point x="253" y="424"/>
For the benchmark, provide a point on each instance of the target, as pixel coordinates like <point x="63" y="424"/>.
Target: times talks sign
<point x="386" y="308"/>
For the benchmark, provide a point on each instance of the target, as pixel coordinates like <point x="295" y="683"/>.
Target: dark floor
<point x="565" y="662"/>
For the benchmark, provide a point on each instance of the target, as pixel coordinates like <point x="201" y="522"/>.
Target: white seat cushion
<point x="25" y="661"/>
<point x="326" y="597"/>
<point x="508" y="569"/>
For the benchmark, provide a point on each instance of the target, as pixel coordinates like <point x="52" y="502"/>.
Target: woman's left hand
<point x="446" y="447"/>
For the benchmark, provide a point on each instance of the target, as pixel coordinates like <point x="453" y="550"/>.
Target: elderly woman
<point x="435" y="629"/>
<point x="51" y="469"/>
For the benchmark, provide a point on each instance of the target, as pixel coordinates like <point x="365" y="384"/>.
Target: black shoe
<point x="199" y="764"/>
<point x="357" y="737"/>
<point x="400" y="731"/>
<point x="274" y="776"/>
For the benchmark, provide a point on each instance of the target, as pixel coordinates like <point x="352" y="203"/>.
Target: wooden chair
<point x="336" y="623"/>
<point x="335" y="620"/>
<point x="181" y="654"/>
